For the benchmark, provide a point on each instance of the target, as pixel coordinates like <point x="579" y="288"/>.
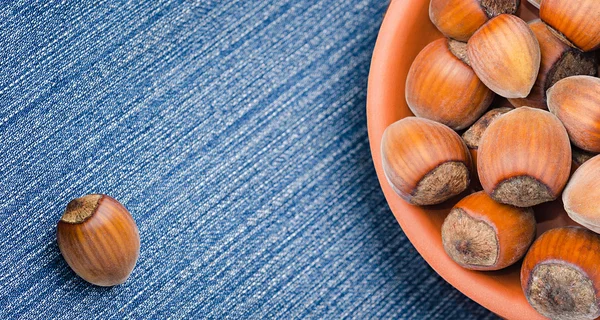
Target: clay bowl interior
<point x="406" y="29"/>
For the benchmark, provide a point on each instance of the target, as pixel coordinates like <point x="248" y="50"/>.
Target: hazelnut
<point x="559" y="275"/>
<point x="473" y="135"/>
<point x="99" y="239"/>
<point x="482" y="234"/>
<point x="505" y="55"/>
<point x="459" y="96"/>
<point x="524" y="157"/>
<point x="424" y="161"/>
<point x="582" y="195"/>
<point x="576" y="102"/>
<point x="459" y="19"/>
<point x="558" y="61"/>
<point x="578" y="21"/>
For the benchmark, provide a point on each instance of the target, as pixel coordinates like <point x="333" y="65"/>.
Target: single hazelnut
<point x="482" y="234"/>
<point x="582" y="195"/>
<point x="524" y="157"/>
<point x="560" y="274"/>
<point x="440" y="86"/>
<point x="558" y="61"/>
<point x="576" y="102"/>
<point x="473" y="135"/>
<point x="424" y="161"/>
<point x="505" y="55"/>
<point x="459" y="19"/>
<point x="99" y="239"/>
<point x="578" y="21"/>
<point x="580" y="156"/>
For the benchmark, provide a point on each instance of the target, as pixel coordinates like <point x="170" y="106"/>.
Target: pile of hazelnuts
<point x="538" y="139"/>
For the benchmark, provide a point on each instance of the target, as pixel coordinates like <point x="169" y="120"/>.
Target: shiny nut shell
<point x="581" y="196"/>
<point x="505" y="55"/>
<point x="99" y="239"/>
<point x="524" y="157"/>
<point x="578" y="20"/>
<point x="459" y="19"/>
<point x="576" y="102"/>
<point x="424" y="161"/>
<point x="482" y="234"/>
<point x="441" y="87"/>
<point x="558" y="61"/>
<point x="560" y="274"/>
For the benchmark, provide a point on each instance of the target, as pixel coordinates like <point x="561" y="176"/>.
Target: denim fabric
<point x="234" y="132"/>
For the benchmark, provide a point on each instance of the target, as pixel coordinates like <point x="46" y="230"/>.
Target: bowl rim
<point x="481" y="287"/>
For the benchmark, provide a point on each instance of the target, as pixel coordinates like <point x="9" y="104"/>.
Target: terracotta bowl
<point x="406" y="29"/>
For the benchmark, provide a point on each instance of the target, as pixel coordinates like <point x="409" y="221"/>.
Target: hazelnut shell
<point x="99" y="239"/>
<point x="505" y="55"/>
<point x="424" y="161"/>
<point x="579" y="21"/>
<point x="443" y="88"/>
<point x="482" y="234"/>
<point x="560" y="274"/>
<point x="524" y="157"/>
<point x="576" y="102"/>
<point x="581" y="196"/>
<point x="558" y="61"/>
<point x="459" y="19"/>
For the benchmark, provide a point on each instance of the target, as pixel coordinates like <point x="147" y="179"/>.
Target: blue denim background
<point x="235" y="133"/>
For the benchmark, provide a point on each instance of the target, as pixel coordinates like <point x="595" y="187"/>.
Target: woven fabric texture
<point x="234" y="132"/>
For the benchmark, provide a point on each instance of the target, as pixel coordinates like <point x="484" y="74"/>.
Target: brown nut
<point x="424" y="161"/>
<point x="459" y="19"/>
<point x="524" y="157"/>
<point x="582" y="195"/>
<point x="99" y="239"/>
<point x="482" y="234"/>
<point x="578" y="21"/>
<point x="443" y="88"/>
<point x="505" y="55"/>
<point x="576" y="102"/>
<point x="558" y="61"/>
<point x="560" y="274"/>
